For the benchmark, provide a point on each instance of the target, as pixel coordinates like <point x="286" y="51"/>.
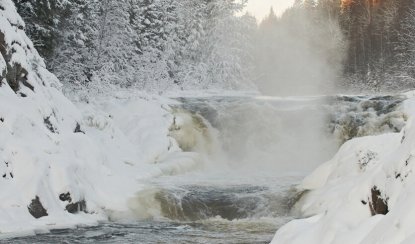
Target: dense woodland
<point x="159" y="45"/>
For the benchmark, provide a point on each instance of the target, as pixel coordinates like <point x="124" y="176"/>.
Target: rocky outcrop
<point x="78" y="129"/>
<point x="73" y="207"/>
<point x="378" y="205"/>
<point x="14" y="73"/>
<point x="76" y="207"/>
<point x="36" y="208"/>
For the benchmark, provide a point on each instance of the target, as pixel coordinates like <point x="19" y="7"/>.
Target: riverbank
<point x="363" y="195"/>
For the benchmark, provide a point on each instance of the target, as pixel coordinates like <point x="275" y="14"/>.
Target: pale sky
<point x="260" y="8"/>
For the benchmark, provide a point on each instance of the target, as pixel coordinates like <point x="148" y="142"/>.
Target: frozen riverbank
<point x="363" y="195"/>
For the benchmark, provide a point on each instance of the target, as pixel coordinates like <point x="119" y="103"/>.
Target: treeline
<point x="149" y="44"/>
<point x="381" y="44"/>
<point x="316" y="46"/>
<point x="359" y="45"/>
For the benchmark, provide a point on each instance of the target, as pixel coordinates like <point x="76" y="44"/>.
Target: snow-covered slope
<point x="364" y="194"/>
<point x="61" y="165"/>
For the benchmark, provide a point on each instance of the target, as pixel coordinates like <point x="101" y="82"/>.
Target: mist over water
<point x="266" y="133"/>
<point x="254" y="151"/>
<point x="299" y="53"/>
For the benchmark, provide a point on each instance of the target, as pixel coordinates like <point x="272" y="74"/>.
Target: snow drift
<point x="363" y="195"/>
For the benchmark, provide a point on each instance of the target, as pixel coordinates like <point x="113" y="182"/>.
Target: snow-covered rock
<point x="364" y="194"/>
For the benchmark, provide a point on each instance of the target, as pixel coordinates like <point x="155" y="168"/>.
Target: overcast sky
<point x="260" y="8"/>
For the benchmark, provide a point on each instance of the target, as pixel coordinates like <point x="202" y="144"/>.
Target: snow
<point x="97" y="151"/>
<point x="126" y="141"/>
<point x="336" y="209"/>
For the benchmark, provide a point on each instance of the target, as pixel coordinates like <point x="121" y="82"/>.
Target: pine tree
<point x="43" y="20"/>
<point x="73" y="60"/>
<point x="149" y="44"/>
<point x="405" y="55"/>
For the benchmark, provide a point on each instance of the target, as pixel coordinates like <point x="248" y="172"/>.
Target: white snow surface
<point x="126" y="141"/>
<point x="123" y="140"/>
<point x="336" y="207"/>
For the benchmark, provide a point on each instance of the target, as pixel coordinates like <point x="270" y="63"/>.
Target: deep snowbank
<point x="350" y="194"/>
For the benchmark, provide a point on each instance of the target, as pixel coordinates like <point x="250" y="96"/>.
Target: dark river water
<point x="208" y="211"/>
<point x="160" y="232"/>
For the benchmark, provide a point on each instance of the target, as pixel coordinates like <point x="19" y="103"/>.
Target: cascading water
<point x="252" y="153"/>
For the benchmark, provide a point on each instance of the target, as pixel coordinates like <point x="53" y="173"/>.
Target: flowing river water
<point x="253" y="152"/>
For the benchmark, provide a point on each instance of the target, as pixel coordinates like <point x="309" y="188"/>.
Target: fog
<point x="297" y="57"/>
<point x="257" y="135"/>
<point x="299" y="53"/>
<point x="260" y="9"/>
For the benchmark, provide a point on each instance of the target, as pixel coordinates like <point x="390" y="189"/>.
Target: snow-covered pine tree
<point x="74" y="59"/>
<point x="153" y="23"/>
<point x="405" y="50"/>
<point x="43" y="20"/>
<point x="227" y="45"/>
<point x="150" y="44"/>
<point x="217" y="45"/>
<point x="115" y="56"/>
<point x="150" y="20"/>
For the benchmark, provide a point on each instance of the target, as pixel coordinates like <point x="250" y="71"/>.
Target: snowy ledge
<point x="365" y="194"/>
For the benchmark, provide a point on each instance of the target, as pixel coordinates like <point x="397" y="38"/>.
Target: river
<point x="253" y="152"/>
